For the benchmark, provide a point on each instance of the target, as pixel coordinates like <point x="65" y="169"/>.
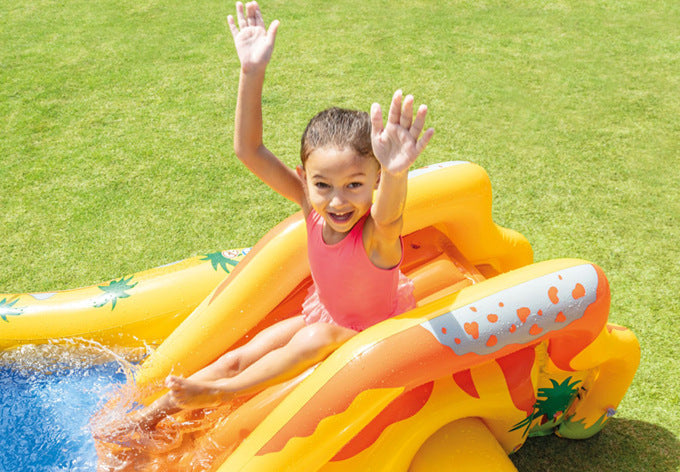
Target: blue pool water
<point x="45" y="410"/>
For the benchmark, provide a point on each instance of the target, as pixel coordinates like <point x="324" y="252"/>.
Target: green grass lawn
<point x="116" y="122"/>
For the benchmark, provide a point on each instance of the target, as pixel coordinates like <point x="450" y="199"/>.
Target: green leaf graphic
<point x="551" y="403"/>
<point x="7" y="309"/>
<point x="219" y="259"/>
<point x="113" y="291"/>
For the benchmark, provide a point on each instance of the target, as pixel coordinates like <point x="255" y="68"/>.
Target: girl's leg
<point x="235" y="361"/>
<point x="230" y="364"/>
<point x="308" y="346"/>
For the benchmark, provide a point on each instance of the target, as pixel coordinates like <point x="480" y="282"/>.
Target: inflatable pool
<point x="497" y="350"/>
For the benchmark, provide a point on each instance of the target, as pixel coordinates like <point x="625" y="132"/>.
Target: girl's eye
<point x="355" y="185"/>
<point x="321" y="185"/>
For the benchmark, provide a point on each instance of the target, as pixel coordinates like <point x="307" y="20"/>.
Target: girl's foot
<point x="191" y="394"/>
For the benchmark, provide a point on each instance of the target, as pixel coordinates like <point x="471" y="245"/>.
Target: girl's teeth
<point x="341" y="216"/>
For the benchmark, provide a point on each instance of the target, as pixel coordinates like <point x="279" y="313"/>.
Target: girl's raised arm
<point x="254" y="45"/>
<point x="396" y="145"/>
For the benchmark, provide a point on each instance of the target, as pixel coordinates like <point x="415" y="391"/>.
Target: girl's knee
<point x="229" y="364"/>
<point x="320" y="339"/>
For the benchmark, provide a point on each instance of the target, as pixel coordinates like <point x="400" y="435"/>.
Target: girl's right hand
<point x="254" y="43"/>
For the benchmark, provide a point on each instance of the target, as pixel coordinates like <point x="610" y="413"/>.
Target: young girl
<point x="354" y="241"/>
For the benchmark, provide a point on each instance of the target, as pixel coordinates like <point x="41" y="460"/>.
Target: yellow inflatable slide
<point x="497" y="350"/>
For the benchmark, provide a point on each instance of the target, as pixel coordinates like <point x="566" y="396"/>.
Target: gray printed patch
<point x="519" y="314"/>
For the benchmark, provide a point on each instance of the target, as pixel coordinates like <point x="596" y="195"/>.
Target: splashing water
<point x="49" y="393"/>
<point x="61" y="403"/>
<point x="173" y="445"/>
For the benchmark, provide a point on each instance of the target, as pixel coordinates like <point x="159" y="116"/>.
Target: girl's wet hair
<point x="340" y="128"/>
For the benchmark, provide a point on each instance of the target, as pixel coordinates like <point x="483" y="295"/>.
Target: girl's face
<point x="340" y="186"/>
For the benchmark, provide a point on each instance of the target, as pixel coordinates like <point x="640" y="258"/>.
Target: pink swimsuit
<point x="349" y="290"/>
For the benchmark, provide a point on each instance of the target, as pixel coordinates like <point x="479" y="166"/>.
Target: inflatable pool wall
<point x="131" y="311"/>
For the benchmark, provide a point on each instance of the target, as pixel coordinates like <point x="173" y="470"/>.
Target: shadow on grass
<point x="622" y="446"/>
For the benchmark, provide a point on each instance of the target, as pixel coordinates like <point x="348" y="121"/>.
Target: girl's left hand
<point x="254" y="43"/>
<point x="397" y="145"/>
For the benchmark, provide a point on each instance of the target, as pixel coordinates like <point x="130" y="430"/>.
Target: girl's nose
<point x="337" y="200"/>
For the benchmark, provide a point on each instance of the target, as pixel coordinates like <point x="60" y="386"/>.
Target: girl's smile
<point x="340" y="218"/>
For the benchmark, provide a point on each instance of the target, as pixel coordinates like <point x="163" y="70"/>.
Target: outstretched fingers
<point x="401" y="114"/>
<point x="232" y="26"/>
<point x="254" y="42"/>
<point x="248" y="15"/>
<point x="424" y="139"/>
<point x="406" y="118"/>
<point x="271" y="31"/>
<point x="419" y="122"/>
<point x="235" y="25"/>
<point x="240" y="15"/>
<point x="376" y="120"/>
<point x="254" y="15"/>
<point x="394" y="115"/>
